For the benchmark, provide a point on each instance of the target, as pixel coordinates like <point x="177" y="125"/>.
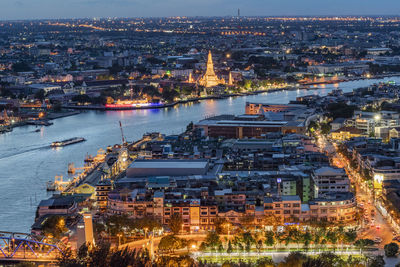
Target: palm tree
<point x="270" y="238"/>
<point x="236" y="242"/>
<point x="295" y="236"/>
<point x="248" y="240"/>
<point x="280" y="237"/>
<point x="350" y="236"/>
<point x="332" y="237"/>
<point x="307" y="238"/>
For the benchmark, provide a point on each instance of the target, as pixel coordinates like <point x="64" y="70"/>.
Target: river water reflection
<point x="27" y="162"/>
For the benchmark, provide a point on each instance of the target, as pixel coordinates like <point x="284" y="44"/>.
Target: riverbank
<point x="167" y="105"/>
<point x="41" y="122"/>
<point x="22" y="190"/>
<point x="58" y="115"/>
<point x="301" y="86"/>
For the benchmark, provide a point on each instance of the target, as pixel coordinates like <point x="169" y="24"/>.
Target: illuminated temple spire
<point x="230" y="81"/>
<point x="190" y="80"/>
<point x="210" y="65"/>
<point x="210" y="79"/>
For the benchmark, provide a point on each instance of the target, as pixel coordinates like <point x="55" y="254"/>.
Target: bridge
<point x="16" y="247"/>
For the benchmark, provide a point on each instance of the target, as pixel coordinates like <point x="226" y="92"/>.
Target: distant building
<point x="378" y="51"/>
<point x="346" y="133"/>
<point x="329" y="179"/>
<point x="145" y="168"/>
<point x="356" y="68"/>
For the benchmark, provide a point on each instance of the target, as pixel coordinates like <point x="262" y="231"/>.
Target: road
<point x="373" y="225"/>
<point x="147" y="242"/>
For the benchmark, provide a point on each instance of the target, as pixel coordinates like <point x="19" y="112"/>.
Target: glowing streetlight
<point x="119" y="239"/>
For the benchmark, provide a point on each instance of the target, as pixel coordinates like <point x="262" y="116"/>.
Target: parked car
<point x="378" y="240"/>
<point x="396" y="238"/>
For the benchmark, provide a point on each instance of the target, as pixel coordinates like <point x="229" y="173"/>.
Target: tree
<point x="307" y="238"/>
<point x="350" y="236"/>
<point x="332" y="237"/>
<point x="229" y="249"/>
<point x="376" y="261"/>
<point x="325" y="128"/>
<point x="54" y="226"/>
<point x="363" y="243"/>
<point x="40" y="95"/>
<point x="98" y="255"/>
<point x="213" y="240"/>
<point x="21" y="67"/>
<point x="102" y="256"/>
<point x="115" y="223"/>
<point x="146" y="222"/>
<point x="265" y="262"/>
<point x="270" y="238"/>
<point x="170" y="243"/>
<point x="189" y="127"/>
<point x="248" y="240"/>
<point x="81" y="99"/>
<point x="295" y="259"/>
<point x="25" y="264"/>
<point x="340" y="110"/>
<point x="330" y="259"/>
<point x="203" y="246"/>
<point x="295" y="236"/>
<point x="391" y="249"/>
<point x="169" y="95"/>
<point x="259" y="245"/>
<point x="67" y="259"/>
<point x="219" y="224"/>
<point x="175" y="223"/>
<point x="312" y="126"/>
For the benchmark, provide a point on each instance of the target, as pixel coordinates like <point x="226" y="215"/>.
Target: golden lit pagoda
<point x="210" y="79"/>
<point x="190" y="80"/>
<point x="230" y="81"/>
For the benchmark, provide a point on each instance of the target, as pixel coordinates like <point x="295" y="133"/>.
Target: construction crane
<point x="122" y="133"/>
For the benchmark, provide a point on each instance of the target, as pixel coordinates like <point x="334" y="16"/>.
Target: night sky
<point x="27" y="9"/>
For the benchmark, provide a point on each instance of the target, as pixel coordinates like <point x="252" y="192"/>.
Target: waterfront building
<point x="172" y="167"/>
<point x="262" y="108"/>
<point x="247" y="126"/>
<point x="57" y="205"/>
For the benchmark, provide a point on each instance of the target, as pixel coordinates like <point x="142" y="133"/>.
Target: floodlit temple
<point x="210" y="79"/>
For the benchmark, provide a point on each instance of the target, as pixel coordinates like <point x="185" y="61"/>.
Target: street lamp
<point x="119" y="240"/>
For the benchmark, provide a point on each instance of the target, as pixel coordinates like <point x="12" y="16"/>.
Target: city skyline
<point x="46" y="9"/>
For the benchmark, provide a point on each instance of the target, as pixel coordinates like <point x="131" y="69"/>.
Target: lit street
<point x="372" y="223"/>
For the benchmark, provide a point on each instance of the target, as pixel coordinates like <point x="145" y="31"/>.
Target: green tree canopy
<point x="391" y="249"/>
<point x="175" y="223"/>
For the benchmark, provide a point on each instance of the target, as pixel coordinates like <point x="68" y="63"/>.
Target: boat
<point x="89" y="158"/>
<point x="68" y="142"/>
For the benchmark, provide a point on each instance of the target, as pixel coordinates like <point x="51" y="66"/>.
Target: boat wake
<point x="24" y="151"/>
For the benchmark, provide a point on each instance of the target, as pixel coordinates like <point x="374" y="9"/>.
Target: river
<point x="27" y="162"/>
